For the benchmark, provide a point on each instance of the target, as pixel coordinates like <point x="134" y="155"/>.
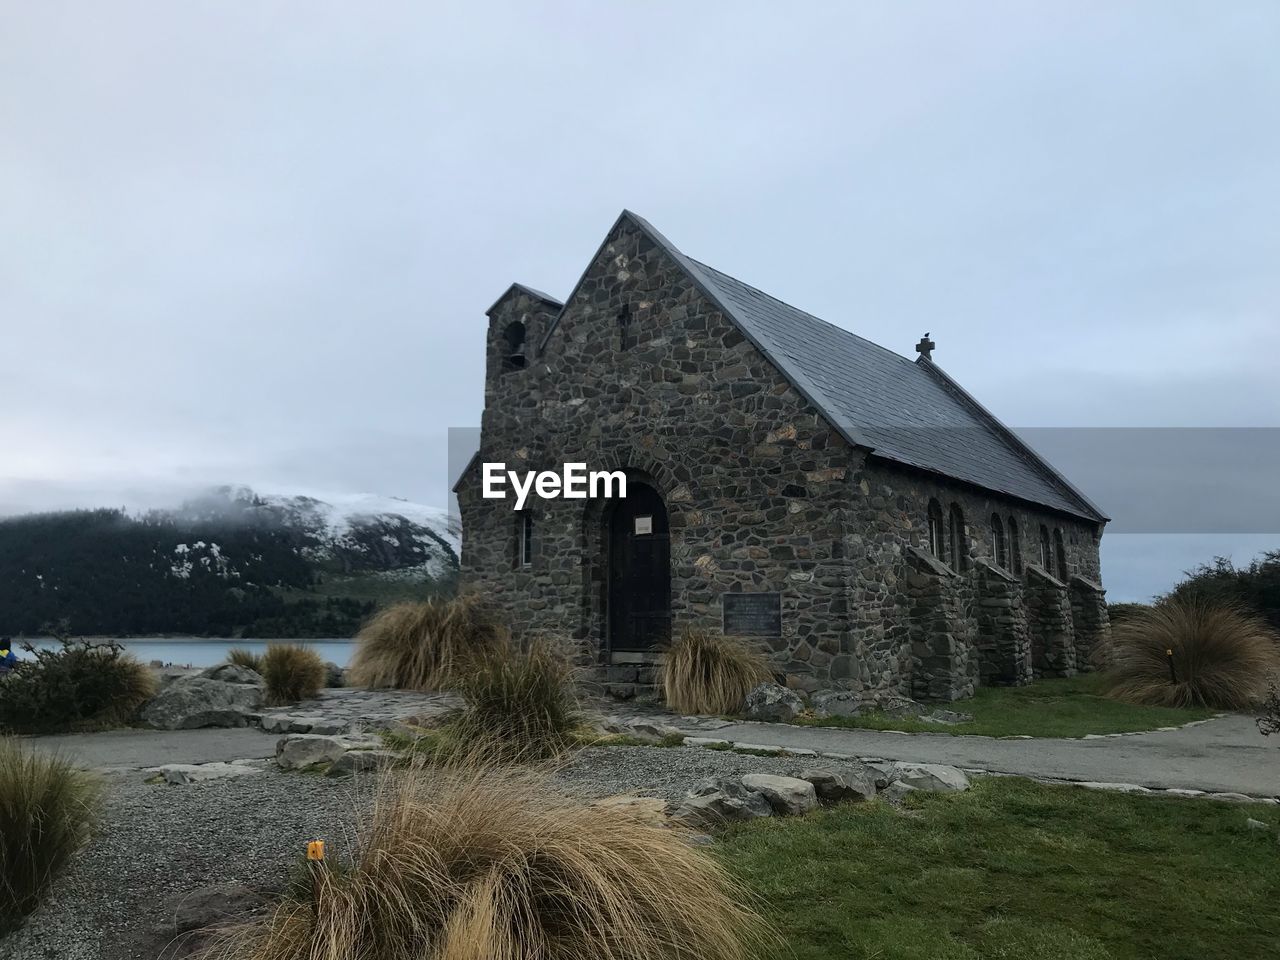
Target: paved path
<point x="135" y="749"/>
<point x="1224" y="755"/>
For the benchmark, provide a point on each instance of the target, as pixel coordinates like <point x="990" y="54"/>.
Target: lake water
<point x="205" y="652"/>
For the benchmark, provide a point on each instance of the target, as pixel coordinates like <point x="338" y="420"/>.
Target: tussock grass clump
<point x="707" y="673"/>
<point x="423" y="646"/>
<point x="481" y="863"/>
<point x="240" y="657"/>
<point x="292" y="673"/>
<point x="1222" y="657"/>
<point x="46" y="813"/>
<point x="77" y="686"/>
<point x="520" y="704"/>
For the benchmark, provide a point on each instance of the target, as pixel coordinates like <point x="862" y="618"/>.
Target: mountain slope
<point x="231" y="562"/>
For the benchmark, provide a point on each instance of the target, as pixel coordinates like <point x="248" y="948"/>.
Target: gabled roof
<point x="522" y="288"/>
<point x="909" y="412"/>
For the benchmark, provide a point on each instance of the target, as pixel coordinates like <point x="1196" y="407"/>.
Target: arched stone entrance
<point x="638" y="563"/>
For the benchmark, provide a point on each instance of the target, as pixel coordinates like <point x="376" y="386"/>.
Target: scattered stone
<point x="1231" y="797"/>
<point x="1114" y="787"/>
<point x="715" y="802"/>
<point x="1180" y="792"/>
<point x="1253" y="824"/>
<point x="184" y="773"/>
<point x="276" y="723"/>
<point x="299" y="750"/>
<point x="846" y="785"/>
<point x="948" y="718"/>
<point x="934" y="777"/>
<point x="232" y="673"/>
<point x="893" y="705"/>
<point x="773" y="702"/>
<point x="203" y="702"/>
<point x="838" y="703"/>
<point x="706" y="742"/>
<point x="789" y="796"/>
<point x="648" y="731"/>
<point x="896" y="791"/>
<point x="361" y="761"/>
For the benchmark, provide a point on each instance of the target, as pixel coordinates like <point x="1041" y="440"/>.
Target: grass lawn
<point x="1013" y="869"/>
<point x="1046" y="708"/>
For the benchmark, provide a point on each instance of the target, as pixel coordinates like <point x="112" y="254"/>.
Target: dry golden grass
<point x="241" y="657"/>
<point x="474" y="862"/>
<point x="708" y="673"/>
<point x="423" y="646"/>
<point x="1222" y="657"/>
<point x="292" y="673"/>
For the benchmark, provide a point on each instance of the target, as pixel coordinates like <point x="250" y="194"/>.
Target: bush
<point x="292" y="673"/>
<point x="1222" y="657"/>
<point x="240" y="657"/>
<point x="1255" y="588"/>
<point x="1120" y="612"/>
<point x="519" y="705"/>
<point x="78" y="686"/>
<point x="46" y="811"/>
<point x="423" y="646"/>
<point x="478" y="863"/>
<point x="707" y="673"/>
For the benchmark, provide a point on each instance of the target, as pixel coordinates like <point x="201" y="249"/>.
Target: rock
<point x="839" y="703"/>
<point x="651" y="810"/>
<point x="897" y="706"/>
<point x="934" y="777"/>
<point x="715" y="802"/>
<point x="184" y="773"/>
<point x="844" y="785"/>
<point x="232" y="673"/>
<point x="1231" y="797"/>
<point x="213" y="906"/>
<point x="1253" y="824"/>
<point x="334" y="675"/>
<point x="1180" y="792"/>
<point x="361" y="761"/>
<point x="202" y="702"/>
<point x="276" y="723"/>
<point x="707" y="742"/>
<point x="298" y="750"/>
<point x="789" y="796"/>
<point x="896" y="791"/>
<point x="1113" y="787"/>
<point x="773" y="702"/>
<point x="947" y="718"/>
<point x="639" y="728"/>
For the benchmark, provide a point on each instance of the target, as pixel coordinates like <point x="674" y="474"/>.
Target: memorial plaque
<point x="752" y="614"/>
<point x="644" y="525"/>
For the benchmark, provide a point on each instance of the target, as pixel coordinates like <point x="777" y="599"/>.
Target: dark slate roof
<point x="909" y="412"/>
<point x="522" y="288"/>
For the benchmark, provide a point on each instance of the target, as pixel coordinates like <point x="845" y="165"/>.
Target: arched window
<point x="1046" y="554"/>
<point x="997" y="541"/>
<point x="513" y="342"/>
<point x="935" y="530"/>
<point x="1015" y="546"/>
<point x="1060" y="553"/>
<point x="959" y="546"/>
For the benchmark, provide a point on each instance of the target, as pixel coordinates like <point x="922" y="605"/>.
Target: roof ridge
<point x="826" y="323"/>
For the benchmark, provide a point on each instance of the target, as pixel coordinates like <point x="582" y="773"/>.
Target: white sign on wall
<point x="644" y="525"/>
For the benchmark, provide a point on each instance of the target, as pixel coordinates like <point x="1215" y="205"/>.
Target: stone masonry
<point x="641" y="371"/>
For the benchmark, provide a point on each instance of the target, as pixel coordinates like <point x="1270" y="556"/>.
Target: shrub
<point x="481" y="863"/>
<point x="240" y="657"/>
<point x="292" y="673"/>
<point x="707" y="673"/>
<point x="1120" y="612"/>
<point x="78" y="686"/>
<point x="1255" y="588"/>
<point x="519" y="705"/>
<point x="1221" y="656"/>
<point x="423" y="646"/>
<point x="46" y="811"/>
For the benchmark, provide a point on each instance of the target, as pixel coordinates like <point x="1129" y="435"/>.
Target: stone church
<point x="857" y="515"/>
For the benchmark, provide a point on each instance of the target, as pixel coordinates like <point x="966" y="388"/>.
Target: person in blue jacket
<point x="8" y="659"/>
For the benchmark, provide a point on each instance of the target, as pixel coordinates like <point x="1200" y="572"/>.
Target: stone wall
<point x="1090" y="620"/>
<point x="1053" y="652"/>
<point x="935" y="604"/>
<point x="1002" y="638"/>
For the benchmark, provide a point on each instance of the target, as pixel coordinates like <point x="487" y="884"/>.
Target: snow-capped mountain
<point x="355" y="531"/>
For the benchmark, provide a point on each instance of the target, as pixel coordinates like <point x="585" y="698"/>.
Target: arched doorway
<point x="639" y="594"/>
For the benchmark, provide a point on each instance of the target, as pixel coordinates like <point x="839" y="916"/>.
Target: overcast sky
<point x="253" y="242"/>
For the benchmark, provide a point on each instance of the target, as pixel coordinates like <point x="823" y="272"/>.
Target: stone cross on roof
<point x="925" y="346"/>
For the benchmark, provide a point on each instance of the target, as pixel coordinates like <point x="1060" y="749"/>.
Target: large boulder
<point x="231" y="673"/>
<point x="203" y="702"/>
<point x="713" y="803"/>
<point x="934" y="777"/>
<point x="789" y="796"/>
<point x="300" y="750"/>
<point x="361" y="761"/>
<point x="773" y="702"/>
<point x="845" y="784"/>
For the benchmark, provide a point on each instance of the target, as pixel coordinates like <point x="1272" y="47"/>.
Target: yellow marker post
<point x="315" y="864"/>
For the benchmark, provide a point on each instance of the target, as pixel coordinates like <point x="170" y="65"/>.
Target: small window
<point x="959" y="544"/>
<point x="997" y="541"/>
<point x="1015" y="546"/>
<point x="1060" y="554"/>
<point x="935" y="529"/>
<point x="524" y="538"/>
<point x="513" y="356"/>
<point x="626" y="336"/>
<point x="1046" y="555"/>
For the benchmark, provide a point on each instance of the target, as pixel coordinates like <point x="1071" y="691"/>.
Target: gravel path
<point x="158" y="842"/>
